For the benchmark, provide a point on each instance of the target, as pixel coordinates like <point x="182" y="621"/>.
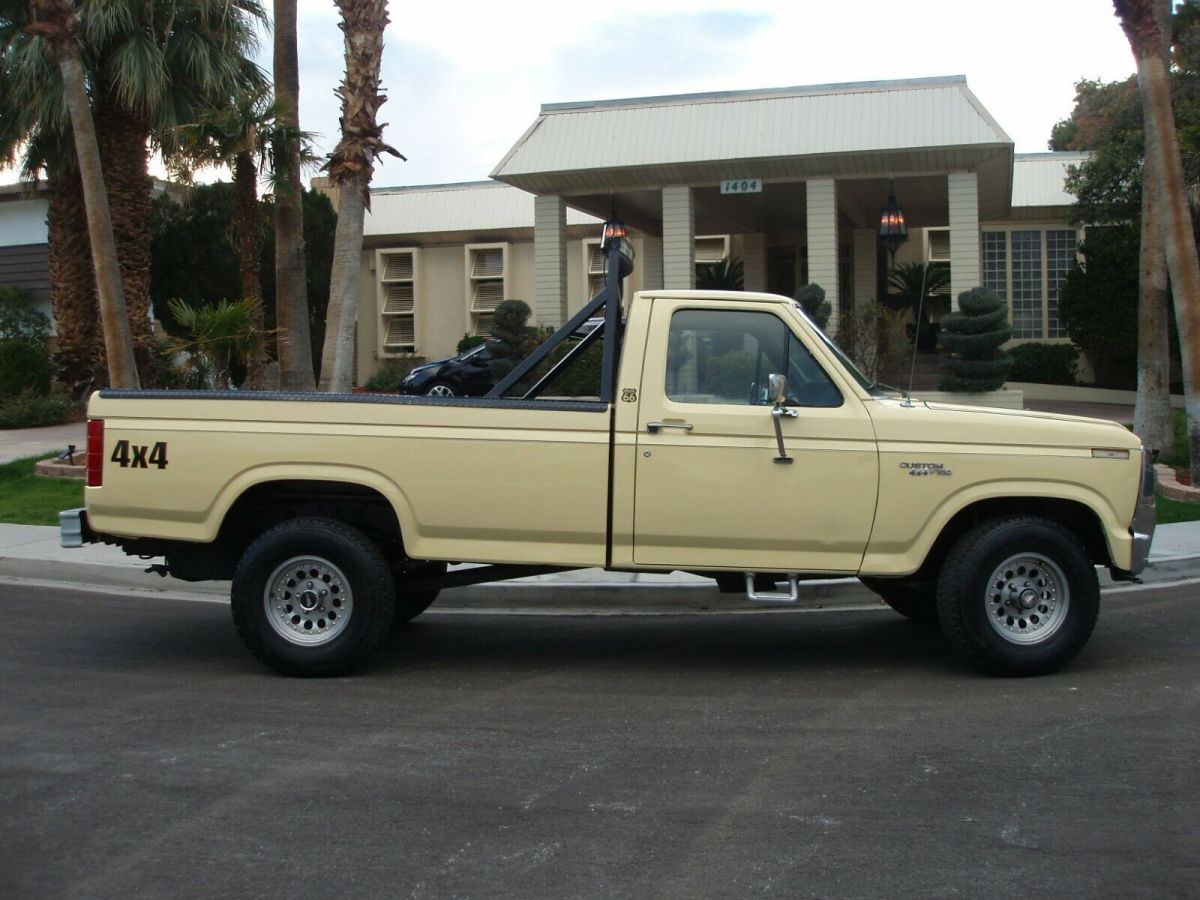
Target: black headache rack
<point x="618" y="262"/>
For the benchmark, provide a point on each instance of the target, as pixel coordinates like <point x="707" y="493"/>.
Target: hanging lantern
<point x="893" y="230"/>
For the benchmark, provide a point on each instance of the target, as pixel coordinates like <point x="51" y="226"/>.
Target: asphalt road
<point x="144" y="753"/>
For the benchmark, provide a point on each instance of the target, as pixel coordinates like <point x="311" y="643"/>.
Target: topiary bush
<point x="811" y="298"/>
<point x="512" y="336"/>
<point x="973" y="336"/>
<point x="1045" y="363"/>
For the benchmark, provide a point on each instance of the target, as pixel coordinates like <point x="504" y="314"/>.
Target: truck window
<point x="725" y="356"/>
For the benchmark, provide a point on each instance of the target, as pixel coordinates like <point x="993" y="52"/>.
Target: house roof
<point x="1039" y="179"/>
<point x="866" y="128"/>
<point x="470" y="207"/>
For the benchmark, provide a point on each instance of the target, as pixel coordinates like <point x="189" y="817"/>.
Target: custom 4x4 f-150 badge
<point x="920" y="468"/>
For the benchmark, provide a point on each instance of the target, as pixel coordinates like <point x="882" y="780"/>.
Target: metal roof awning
<point x="589" y="152"/>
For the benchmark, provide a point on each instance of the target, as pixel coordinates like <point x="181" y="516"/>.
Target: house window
<point x="593" y="267"/>
<point x="711" y="249"/>
<point x="1060" y="257"/>
<point x="939" y="244"/>
<point x="396" y="291"/>
<point x="487" y="284"/>
<point x="995" y="263"/>
<point x="1028" y="267"/>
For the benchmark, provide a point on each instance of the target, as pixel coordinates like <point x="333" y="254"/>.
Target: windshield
<point x="867" y="384"/>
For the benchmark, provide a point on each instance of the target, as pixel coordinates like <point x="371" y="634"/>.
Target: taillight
<point x="95" y="453"/>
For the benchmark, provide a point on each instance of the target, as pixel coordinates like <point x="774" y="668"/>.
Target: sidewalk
<point x="32" y="552"/>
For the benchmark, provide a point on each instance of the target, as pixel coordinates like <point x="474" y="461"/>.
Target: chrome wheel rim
<point x="308" y="600"/>
<point x="1027" y="598"/>
<point x="439" y="390"/>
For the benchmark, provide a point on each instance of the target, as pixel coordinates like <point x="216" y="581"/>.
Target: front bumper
<point x="1144" y="518"/>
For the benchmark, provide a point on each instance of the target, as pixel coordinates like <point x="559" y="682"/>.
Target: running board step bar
<point x="792" y="596"/>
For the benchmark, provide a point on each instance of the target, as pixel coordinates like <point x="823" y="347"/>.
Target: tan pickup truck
<point x="735" y="441"/>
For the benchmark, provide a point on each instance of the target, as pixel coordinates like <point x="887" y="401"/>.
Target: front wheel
<point x="439" y="389"/>
<point x="1018" y="596"/>
<point x="312" y="597"/>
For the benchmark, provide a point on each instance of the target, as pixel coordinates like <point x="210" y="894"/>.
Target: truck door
<point x="709" y="491"/>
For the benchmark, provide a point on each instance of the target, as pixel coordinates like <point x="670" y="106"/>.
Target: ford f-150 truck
<point x="727" y="436"/>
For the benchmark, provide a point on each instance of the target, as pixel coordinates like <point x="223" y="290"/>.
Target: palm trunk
<point x="291" y="288"/>
<point x="1152" y="411"/>
<point x="124" y="149"/>
<point x="118" y="341"/>
<point x="337" y="360"/>
<point x="79" y="341"/>
<point x="1162" y="148"/>
<point x="247" y="237"/>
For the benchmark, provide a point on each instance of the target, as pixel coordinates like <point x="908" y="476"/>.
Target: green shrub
<point x="33" y="410"/>
<point x="24" y="366"/>
<point x="387" y="380"/>
<point x="973" y="335"/>
<point x="18" y="318"/>
<point x="1045" y="363"/>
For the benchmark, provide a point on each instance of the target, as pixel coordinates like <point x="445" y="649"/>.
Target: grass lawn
<point x="1169" y="510"/>
<point x="26" y="499"/>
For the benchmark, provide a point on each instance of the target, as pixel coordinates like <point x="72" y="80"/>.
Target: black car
<point x="467" y="375"/>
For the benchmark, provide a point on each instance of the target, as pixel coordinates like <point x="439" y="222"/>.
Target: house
<point x="791" y="181"/>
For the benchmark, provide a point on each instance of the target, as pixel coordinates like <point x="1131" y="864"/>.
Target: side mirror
<point x="777" y="389"/>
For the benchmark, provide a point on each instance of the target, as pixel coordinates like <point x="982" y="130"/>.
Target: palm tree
<point x="291" y="304"/>
<point x="1146" y="37"/>
<point x="920" y="288"/>
<point x="351" y="166"/>
<point x="151" y="67"/>
<point x="57" y="23"/>
<point x="159" y="65"/>
<point x="233" y="136"/>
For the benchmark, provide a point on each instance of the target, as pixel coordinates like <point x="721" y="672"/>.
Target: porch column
<point x="822" y="242"/>
<point x="864" y="267"/>
<point x="651" y="263"/>
<point x="964" y="233"/>
<point x="679" y="238"/>
<point x="550" y="260"/>
<point x="754" y="262"/>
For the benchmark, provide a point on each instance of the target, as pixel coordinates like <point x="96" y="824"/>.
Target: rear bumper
<point x="73" y="528"/>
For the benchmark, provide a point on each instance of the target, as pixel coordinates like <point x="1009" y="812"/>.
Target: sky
<point x="464" y="80"/>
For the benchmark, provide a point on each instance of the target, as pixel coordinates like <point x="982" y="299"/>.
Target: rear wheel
<point x="312" y="597"/>
<point x="1018" y="596"/>
<point x="912" y="601"/>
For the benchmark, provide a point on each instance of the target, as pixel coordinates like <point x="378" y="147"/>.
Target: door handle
<point x="656" y="427"/>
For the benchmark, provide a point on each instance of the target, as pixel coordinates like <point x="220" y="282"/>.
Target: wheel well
<point x="1075" y="516"/>
<point x="266" y="505"/>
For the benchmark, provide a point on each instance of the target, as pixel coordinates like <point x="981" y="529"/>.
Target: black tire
<point x="440" y="389"/>
<point x="410" y="604"/>
<point x="312" y="597"/>
<point x="918" y="604"/>
<point x="1018" y="596"/>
